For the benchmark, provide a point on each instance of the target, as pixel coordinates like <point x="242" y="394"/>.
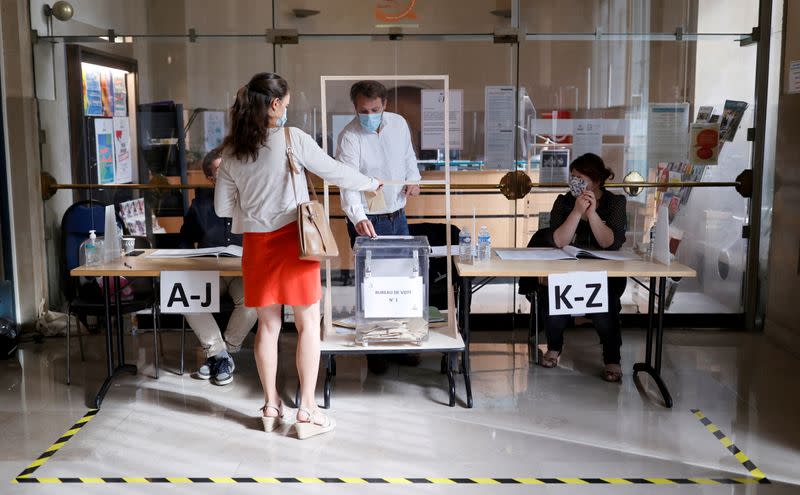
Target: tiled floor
<point x="528" y="422"/>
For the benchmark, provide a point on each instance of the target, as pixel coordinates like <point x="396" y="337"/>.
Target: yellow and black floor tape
<point x="732" y="448"/>
<point x="28" y="471"/>
<point x="757" y="477"/>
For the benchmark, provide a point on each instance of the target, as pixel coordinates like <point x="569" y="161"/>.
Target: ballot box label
<point x="578" y="293"/>
<point x="393" y="297"/>
<point x="190" y="292"/>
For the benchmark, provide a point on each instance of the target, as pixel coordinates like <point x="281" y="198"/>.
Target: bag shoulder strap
<point x="294" y="169"/>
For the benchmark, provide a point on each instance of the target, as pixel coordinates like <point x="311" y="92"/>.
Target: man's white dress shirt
<point x="387" y="155"/>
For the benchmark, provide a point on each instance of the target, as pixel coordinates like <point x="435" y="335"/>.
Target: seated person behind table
<point x="203" y="228"/>
<point x="589" y="217"/>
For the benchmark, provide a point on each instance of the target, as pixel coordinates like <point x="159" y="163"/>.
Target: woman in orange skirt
<point x="255" y="188"/>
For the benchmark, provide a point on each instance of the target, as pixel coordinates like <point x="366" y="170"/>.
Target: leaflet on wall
<point x="731" y="118"/>
<point x="213" y="129"/>
<point x="120" y="95"/>
<point x="703" y="143"/>
<point x="704" y="113"/>
<point x="667" y="136"/>
<point x="554" y="166"/>
<point x="132" y="213"/>
<point x="122" y="150"/>
<point x="587" y="137"/>
<point x="433" y="119"/>
<point x="104" y="141"/>
<point x="499" y="102"/>
<point x="92" y="93"/>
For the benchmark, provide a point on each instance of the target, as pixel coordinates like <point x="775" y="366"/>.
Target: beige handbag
<point x="316" y="239"/>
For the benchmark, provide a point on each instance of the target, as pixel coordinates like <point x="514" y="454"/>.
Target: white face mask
<point x="283" y="118"/>
<point x="577" y="185"/>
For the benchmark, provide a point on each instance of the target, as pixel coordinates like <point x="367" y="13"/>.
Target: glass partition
<point x="569" y="77"/>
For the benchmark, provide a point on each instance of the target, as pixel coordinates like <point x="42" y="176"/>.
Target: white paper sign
<point x="499" y="127"/>
<point x="667" y="132"/>
<point x="587" y="137"/>
<point x="393" y="297"/>
<point x="578" y="293"/>
<point x="189" y="292"/>
<point x="213" y="129"/>
<point x="433" y="119"/>
<point x="122" y="150"/>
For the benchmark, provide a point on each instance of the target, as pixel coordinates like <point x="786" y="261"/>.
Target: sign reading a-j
<point x="189" y="292"/>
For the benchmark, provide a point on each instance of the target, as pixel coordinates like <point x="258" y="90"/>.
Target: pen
<point x="126" y="264"/>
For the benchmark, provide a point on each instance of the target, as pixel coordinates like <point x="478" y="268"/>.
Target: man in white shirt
<point x="378" y="143"/>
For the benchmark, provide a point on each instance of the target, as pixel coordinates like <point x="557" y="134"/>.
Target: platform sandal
<point x="317" y="424"/>
<point x="272" y="423"/>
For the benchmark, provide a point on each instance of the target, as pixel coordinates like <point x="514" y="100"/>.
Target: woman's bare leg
<point x="266" y="353"/>
<point x="308" y="329"/>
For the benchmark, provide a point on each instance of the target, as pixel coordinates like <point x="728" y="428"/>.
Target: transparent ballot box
<point x="391" y="289"/>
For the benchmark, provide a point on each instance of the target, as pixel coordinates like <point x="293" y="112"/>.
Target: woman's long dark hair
<point x="250" y="117"/>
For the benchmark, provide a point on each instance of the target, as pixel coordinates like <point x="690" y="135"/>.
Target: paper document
<point x="567" y="253"/>
<point x="667" y="132"/>
<point x="232" y="251"/>
<point x="532" y="254"/>
<point x="441" y="251"/>
<point x="498" y="124"/>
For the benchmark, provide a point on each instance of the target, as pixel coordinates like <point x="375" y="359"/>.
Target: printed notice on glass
<point x="433" y="119"/>
<point x="393" y="297"/>
<point x="667" y="132"/>
<point x="794" y="77"/>
<point x="587" y="137"/>
<point x="498" y="124"/>
<point x="213" y="129"/>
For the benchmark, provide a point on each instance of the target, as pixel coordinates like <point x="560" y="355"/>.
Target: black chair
<point x="437" y="267"/>
<point x="532" y="290"/>
<point x="85" y="296"/>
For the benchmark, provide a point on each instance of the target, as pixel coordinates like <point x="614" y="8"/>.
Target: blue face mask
<point x="370" y="121"/>
<point x="283" y="118"/>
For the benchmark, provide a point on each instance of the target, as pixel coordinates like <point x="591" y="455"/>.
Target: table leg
<point x="121" y="366"/>
<point x="651" y="299"/>
<point x="329" y="372"/>
<point x="451" y="381"/>
<point x="647" y="367"/>
<point x="120" y="332"/>
<point x="464" y="310"/>
<point x="111" y="370"/>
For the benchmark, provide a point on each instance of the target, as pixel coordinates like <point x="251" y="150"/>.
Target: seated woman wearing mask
<point x="590" y="217"/>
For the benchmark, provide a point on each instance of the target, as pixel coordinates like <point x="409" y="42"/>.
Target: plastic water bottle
<point x="464" y="246"/>
<point x="652" y="238"/>
<point x="484" y="244"/>
<point x="90" y="252"/>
